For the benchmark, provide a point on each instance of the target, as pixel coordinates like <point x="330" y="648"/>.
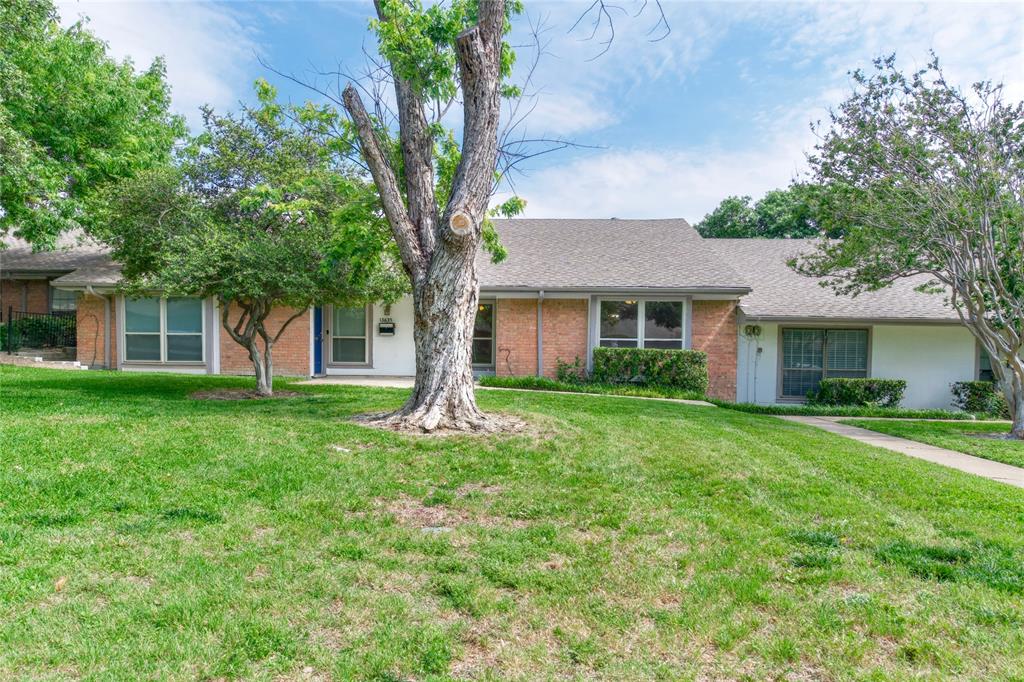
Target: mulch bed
<point x="243" y="394"/>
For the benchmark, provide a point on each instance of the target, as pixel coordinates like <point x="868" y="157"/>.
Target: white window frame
<point x="641" y="320"/>
<point x="163" y="334"/>
<point x="367" y="340"/>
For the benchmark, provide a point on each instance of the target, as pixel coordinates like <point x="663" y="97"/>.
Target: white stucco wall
<point x="756" y="371"/>
<point x="392" y="355"/>
<point x="929" y="357"/>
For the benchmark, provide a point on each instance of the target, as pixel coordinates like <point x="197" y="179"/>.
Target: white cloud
<point x="209" y="50"/>
<point x="973" y="41"/>
<point x="655" y="183"/>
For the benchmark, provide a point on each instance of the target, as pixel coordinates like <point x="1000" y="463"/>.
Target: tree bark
<point x="249" y="330"/>
<point x="439" y="252"/>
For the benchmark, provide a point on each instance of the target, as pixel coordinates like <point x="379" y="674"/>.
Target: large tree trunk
<point x="439" y="252"/>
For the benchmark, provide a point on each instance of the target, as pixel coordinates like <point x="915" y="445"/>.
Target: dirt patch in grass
<point x="994" y="436"/>
<point x="443" y="518"/>
<point x="243" y="394"/>
<point x="496" y="424"/>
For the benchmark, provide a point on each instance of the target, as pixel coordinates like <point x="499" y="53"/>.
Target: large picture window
<point x="348" y="336"/>
<point x="483" y="335"/>
<point x="662" y="324"/>
<point x="163" y="330"/>
<point x="809" y="355"/>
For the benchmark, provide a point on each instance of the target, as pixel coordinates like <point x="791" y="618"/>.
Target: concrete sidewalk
<point x="997" y="471"/>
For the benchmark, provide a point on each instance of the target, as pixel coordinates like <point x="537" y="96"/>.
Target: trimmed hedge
<point x="881" y="392"/>
<point x="980" y="396"/>
<point x="682" y="369"/>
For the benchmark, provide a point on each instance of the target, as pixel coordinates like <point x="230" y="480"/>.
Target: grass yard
<point x="971" y="438"/>
<point x="145" y="535"/>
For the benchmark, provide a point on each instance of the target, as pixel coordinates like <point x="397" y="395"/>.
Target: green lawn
<point x="630" y="540"/>
<point x="963" y="437"/>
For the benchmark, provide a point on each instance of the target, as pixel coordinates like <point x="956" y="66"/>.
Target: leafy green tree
<point x="927" y="179"/>
<point x="790" y="213"/>
<point x="733" y="218"/>
<point x="261" y="212"/>
<point x="71" y="120"/>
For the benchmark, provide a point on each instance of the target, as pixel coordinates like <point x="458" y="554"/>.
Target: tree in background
<point x="927" y="179"/>
<point x="261" y="212"/>
<point x="71" y="120"/>
<point x="790" y="213"/>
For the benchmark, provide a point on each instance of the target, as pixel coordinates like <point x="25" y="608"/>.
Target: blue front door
<point x="318" y="338"/>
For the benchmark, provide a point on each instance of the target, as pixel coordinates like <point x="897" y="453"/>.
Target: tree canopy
<point x="790" y="213"/>
<point x="262" y="210"/>
<point x="925" y="178"/>
<point x="71" y="120"/>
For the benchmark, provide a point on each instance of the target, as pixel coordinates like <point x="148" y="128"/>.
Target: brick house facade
<point x="290" y="354"/>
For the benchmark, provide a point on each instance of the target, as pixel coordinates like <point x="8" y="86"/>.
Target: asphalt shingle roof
<point x="780" y="292"/>
<point x="605" y="254"/>
<point x="72" y="252"/>
<point x="593" y="254"/>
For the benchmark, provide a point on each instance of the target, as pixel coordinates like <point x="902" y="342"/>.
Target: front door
<point x="318" y="340"/>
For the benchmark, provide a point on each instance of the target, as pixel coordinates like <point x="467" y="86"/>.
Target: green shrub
<point x="570" y="372"/>
<point x="683" y="369"/>
<point x="980" y="397"/>
<point x="881" y="392"/>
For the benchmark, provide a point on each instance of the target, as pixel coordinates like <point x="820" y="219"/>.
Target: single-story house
<point x="567" y="287"/>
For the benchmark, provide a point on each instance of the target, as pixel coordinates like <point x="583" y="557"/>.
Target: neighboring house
<point x="25" y="277"/>
<point x="567" y="287"/>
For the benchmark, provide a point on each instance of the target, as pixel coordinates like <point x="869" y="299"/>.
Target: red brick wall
<point x="516" y="341"/>
<point x="91" y="338"/>
<point x="291" y="352"/>
<point x="565" y="334"/>
<point x="713" y="330"/>
<point x="31" y="295"/>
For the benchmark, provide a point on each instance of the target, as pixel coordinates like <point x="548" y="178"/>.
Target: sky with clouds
<point x="721" y="105"/>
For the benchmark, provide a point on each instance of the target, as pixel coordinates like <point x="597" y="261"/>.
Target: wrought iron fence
<point x="21" y="329"/>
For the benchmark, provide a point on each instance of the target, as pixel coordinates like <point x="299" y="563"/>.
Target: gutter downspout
<point x="540" y="333"/>
<point x="106" y="325"/>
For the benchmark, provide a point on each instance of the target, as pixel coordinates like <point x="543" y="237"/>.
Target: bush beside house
<point x="682" y="369"/>
<point x="842" y="392"/>
<point x="980" y="397"/>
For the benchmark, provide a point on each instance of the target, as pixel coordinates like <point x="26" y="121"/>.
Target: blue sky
<point x="721" y="106"/>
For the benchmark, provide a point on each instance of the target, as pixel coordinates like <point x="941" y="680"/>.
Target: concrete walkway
<point x="997" y="471"/>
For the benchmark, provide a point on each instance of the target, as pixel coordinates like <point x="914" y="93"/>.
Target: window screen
<point x="809" y="355"/>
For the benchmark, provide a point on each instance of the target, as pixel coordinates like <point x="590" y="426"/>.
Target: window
<point x="483" y="335"/>
<point x="662" y="327"/>
<point x="163" y="330"/>
<point x="63" y="301"/>
<point x="985" y="372"/>
<point x="809" y="355"/>
<point x="348" y="335"/>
